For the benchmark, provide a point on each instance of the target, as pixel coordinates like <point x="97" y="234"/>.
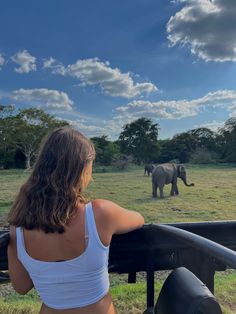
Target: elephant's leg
<point x="176" y="190"/>
<point x="172" y="192"/>
<point x="161" y="192"/>
<point x="154" y="189"/>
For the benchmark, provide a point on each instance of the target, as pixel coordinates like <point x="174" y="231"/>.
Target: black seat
<point x="184" y="293"/>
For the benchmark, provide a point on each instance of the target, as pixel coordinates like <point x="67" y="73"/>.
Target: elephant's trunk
<point x="185" y="182"/>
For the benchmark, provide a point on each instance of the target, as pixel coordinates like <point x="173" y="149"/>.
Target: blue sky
<point x="101" y="64"/>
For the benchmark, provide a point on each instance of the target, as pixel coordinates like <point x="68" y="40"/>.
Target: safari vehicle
<point x="194" y="251"/>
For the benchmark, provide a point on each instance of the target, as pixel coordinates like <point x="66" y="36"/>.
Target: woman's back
<point x="64" y="276"/>
<point x="51" y="247"/>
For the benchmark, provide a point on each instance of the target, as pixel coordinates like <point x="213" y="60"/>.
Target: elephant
<point x="148" y="168"/>
<point x="166" y="174"/>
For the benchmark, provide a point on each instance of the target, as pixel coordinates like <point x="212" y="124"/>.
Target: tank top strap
<point x="91" y="226"/>
<point x="20" y="247"/>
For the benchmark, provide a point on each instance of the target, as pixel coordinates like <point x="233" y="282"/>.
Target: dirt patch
<point x="6" y="290"/>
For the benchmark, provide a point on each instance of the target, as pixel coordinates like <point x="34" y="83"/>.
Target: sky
<point x="101" y="64"/>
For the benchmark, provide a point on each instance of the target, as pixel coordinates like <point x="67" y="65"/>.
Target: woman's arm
<point x="116" y="218"/>
<point x="20" y="278"/>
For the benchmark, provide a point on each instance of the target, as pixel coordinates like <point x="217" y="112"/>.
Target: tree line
<point x="21" y="131"/>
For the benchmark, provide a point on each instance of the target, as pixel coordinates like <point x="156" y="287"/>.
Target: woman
<point x="59" y="243"/>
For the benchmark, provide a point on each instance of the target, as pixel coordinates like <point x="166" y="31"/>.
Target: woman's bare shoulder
<point x="103" y="204"/>
<point x="101" y="207"/>
<point x="105" y="207"/>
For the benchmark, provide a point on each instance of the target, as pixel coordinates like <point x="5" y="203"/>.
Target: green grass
<point x="10" y="181"/>
<point x="225" y="290"/>
<point x="128" y="298"/>
<point x="16" y="304"/>
<point x="212" y="198"/>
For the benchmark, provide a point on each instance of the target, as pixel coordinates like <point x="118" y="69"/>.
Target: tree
<point x="7" y="145"/>
<point x="167" y="151"/>
<point x="139" y="139"/>
<point x="122" y="161"/>
<point x="203" y="138"/>
<point x="227" y="140"/>
<point x="32" y="125"/>
<point x="105" y="150"/>
<point x="182" y="146"/>
<point x="22" y="131"/>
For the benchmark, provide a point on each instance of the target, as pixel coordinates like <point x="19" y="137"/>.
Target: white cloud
<point x="208" y="27"/>
<point x="26" y="62"/>
<point x="163" y="109"/>
<point x="2" y="60"/>
<point x="159" y="110"/>
<point x="52" y="99"/>
<point x="91" y="125"/>
<point x="213" y="125"/>
<point x="87" y="128"/>
<point x="232" y="110"/>
<point x="56" y="68"/>
<point x="48" y="63"/>
<point x="95" y="72"/>
<point x="177" y="109"/>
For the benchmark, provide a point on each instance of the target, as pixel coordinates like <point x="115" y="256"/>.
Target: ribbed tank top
<point x="73" y="283"/>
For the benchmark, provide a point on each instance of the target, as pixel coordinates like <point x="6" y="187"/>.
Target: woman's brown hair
<point x="49" y="198"/>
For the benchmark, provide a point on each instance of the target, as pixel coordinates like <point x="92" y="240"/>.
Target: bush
<point x="202" y="156"/>
<point x="122" y="161"/>
<point x="174" y="161"/>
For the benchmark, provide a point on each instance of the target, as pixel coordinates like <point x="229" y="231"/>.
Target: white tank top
<point x="73" y="283"/>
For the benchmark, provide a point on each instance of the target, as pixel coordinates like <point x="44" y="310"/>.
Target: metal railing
<point x="203" y="248"/>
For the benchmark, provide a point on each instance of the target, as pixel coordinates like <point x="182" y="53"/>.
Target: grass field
<point x="212" y="198"/>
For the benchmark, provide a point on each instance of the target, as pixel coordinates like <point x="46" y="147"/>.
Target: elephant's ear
<point x="180" y="169"/>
